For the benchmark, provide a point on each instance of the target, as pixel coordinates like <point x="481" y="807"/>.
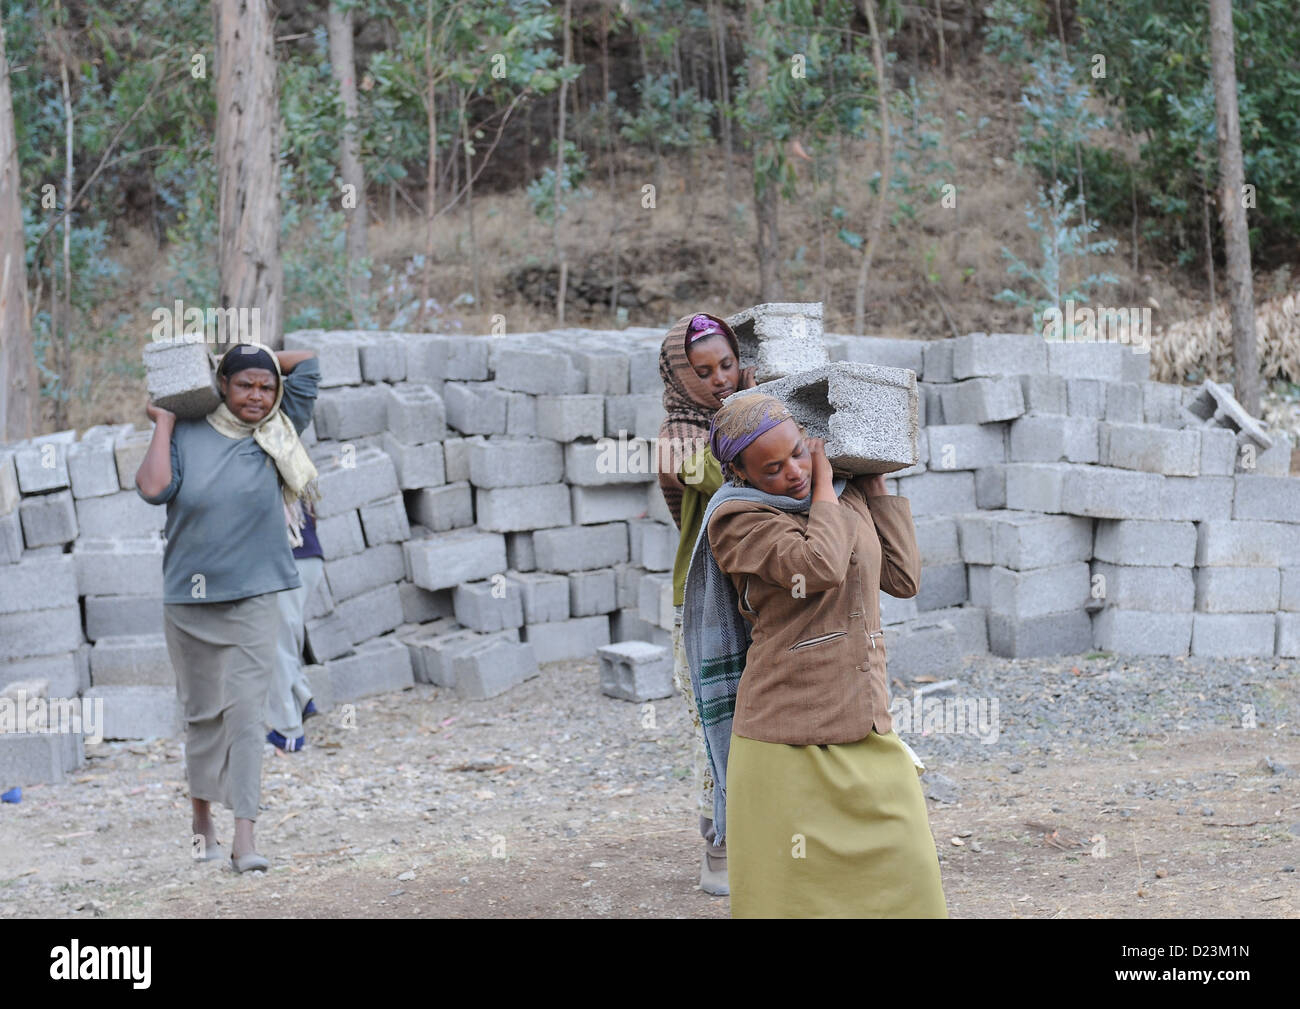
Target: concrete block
<point x="492" y="605"/>
<point x="545" y="596"/>
<point x="181" y="377"/>
<point x="568" y="418"/>
<point x="319" y="601"/>
<point x="340" y="535"/>
<point x="440" y="509"/>
<point x="444" y="560"/>
<point x="514" y="462"/>
<point x="1043" y="394"/>
<point x="971" y="625"/>
<point x="539" y="372"/>
<point x="351" y="412"/>
<point x="383" y="357"/>
<point x="1142" y="632"/>
<point x="991" y="486"/>
<point x="92" y="466"/>
<point x="121" y="514"/>
<point x="371" y="613"/>
<point x="140" y="712"/>
<point x="966" y="446"/>
<point x="1234" y="635"/>
<point x="378" y="667"/>
<point x="878" y="350"/>
<point x="1162" y="404"/>
<point x="567" y="640"/>
<point x="521" y="415"/>
<point x="1085" y="397"/>
<point x="1038" y="592"/>
<point x="627" y="625"/>
<point x="614" y="503"/>
<point x="519" y="551"/>
<point x="1068" y="633"/>
<point x="937" y="360"/>
<point x="328" y="637"/>
<point x="476" y="407"/>
<point x="492" y="666"/>
<point x="1140" y="587"/>
<point x="1262" y="498"/>
<point x="67" y="673"/>
<point x="432" y="647"/>
<point x="415" y="414"/>
<point x="385" y="521"/>
<point x="1218" y="451"/>
<point x="1053" y="438"/>
<point x="655" y="599"/>
<point x="431" y="358"/>
<point x="993" y="355"/>
<point x="513" y="509"/>
<point x="867" y="414"/>
<point x="781" y="338"/>
<point x="417" y="466"/>
<point x="48" y="519"/>
<point x="455" y="453"/>
<point x="643" y="371"/>
<point x="1195" y="499"/>
<point x="943" y="585"/>
<point x="420" y="606"/>
<point x="1290" y="590"/>
<point x="339" y="354"/>
<point x="1076" y="489"/>
<point x="592" y="592"/>
<point x="621" y="412"/>
<point x="982" y="400"/>
<point x="38" y="582"/>
<point x="1146" y="542"/>
<point x="936" y="538"/>
<point x="41" y="757"/>
<point x="129" y="449"/>
<point x="929" y="403"/>
<point x="357" y="573"/>
<point x="939" y="493"/>
<point x="1213" y="405"/>
<point x="119" y="567"/>
<point x="1288" y="635"/>
<point x="131" y="660"/>
<point x="581" y="548"/>
<point x="1023" y="540"/>
<point x="1237" y="590"/>
<point x="653" y="545"/>
<point x="649" y="420"/>
<point x="1233" y="543"/>
<point x="1152" y="449"/>
<point x="1102" y="361"/>
<point x="628" y="586"/>
<point x="657" y="507"/>
<point x="1275" y="461"/>
<point x="636" y="671"/>
<point x="1123" y="402"/>
<point x="922" y="647"/>
<point x="605" y="369"/>
<point x="609" y="461"/>
<point x="354" y="479"/>
<point x="11" y="538"/>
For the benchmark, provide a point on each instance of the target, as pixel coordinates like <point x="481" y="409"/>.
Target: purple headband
<point x="700" y="327"/>
<point x="740" y="421"/>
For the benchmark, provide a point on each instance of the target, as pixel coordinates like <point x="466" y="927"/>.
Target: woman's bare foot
<point x="201" y="826"/>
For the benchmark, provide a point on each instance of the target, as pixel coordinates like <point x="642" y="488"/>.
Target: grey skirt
<point x="224" y="655"/>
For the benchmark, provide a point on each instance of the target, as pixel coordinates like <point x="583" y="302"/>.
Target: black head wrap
<point x="245" y="356"/>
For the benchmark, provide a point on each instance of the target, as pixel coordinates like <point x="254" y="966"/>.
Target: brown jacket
<point x="809" y="584"/>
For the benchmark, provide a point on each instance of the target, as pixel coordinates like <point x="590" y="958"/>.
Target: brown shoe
<point x="713" y="871"/>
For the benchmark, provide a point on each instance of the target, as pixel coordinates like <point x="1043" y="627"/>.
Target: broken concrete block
<point x="867" y="414"/>
<point x="181" y="377"/>
<point x="636" y="671"/>
<point x="781" y="338"/>
<point x="1213" y="405"/>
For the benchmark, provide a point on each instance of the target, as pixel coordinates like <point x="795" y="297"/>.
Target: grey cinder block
<point x="328" y="637"/>
<point x="48" y="519"/>
<point x="515" y="509"/>
<point x="140" y="712"/>
<point x="1240" y="543"/>
<point x="993" y="355"/>
<point x="545" y="596"/>
<point x="1151" y="449"/>
<point x="568" y="418"/>
<point x="40" y="632"/>
<point x="38" y="581"/>
<point x="924" y="646"/>
<point x="966" y="446"/>
<point x="120" y="514"/>
<point x="1124" y="402"/>
<point x="1142" y="632"/>
<point x="119" y="567"/>
<point x="492" y="666"/>
<point x="1233" y="635"/>
<point x="340" y="535"/>
<point x="351" y="412"/>
<point x="580" y="548"/>
<point x="352" y="479"/>
<point x="181" y="377"/>
<point x="538" y="372"/>
<point x="476" y="407"/>
<point x="92" y="465"/>
<point x="1039" y="591"/>
<point x="357" y="573"/>
<point x="1143" y="587"/>
<point x="377" y="667"/>
<point x="1213" y="405"/>
<point x="609" y="461"/>
<point x="567" y="640"/>
<point x="615" y="503"/>
<point x="1043" y="394"/>
<point x="982" y="400"/>
<point x="514" y="462"/>
<point x="636" y="671"/>
<point x="420" y="606"/>
<point x="339" y="355"/>
<point x="1085" y="397"/>
<point x="1267" y="498"/>
<point x="450" y="506"/>
<point x="447" y="559"/>
<point x="939" y="493"/>
<point x="593" y="592"/>
<point x="1237" y="590"/>
<point x="383" y="357"/>
<point x="385" y="521"/>
<point x="371" y="613"/>
<point x="1053" y="438"/>
<point x="781" y="338"/>
<point x="492" y="605"/>
<point x="1068" y="633"/>
<point x="417" y="466"/>
<point x="131" y="660"/>
<point x="415" y="414"/>
<point x="129" y="450"/>
<point x="1195" y="499"/>
<point x="1145" y="542"/>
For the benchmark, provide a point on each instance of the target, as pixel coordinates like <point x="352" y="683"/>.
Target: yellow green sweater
<point x="701" y="474"/>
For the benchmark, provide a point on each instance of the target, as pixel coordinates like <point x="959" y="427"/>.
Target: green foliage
<point x="1057" y="115"/>
<point x="1059" y="242"/>
<point x="665" y="120"/>
<point x="1013" y="28"/>
<point x="541" y="191"/>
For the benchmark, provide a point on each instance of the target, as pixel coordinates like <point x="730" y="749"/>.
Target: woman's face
<point x="716" y="365"/>
<point x="249" y="394"/>
<point x="778" y="462"/>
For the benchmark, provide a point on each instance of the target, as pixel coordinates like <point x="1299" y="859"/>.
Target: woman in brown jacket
<point x="824" y="815"/>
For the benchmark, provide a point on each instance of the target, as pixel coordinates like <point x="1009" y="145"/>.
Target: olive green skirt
<point x="833" y="831"/>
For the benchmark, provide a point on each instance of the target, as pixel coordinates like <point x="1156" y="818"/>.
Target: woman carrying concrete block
<point x="232" y="482"/>
<point x="816" y="796"/>
<point x="700" y="367"/>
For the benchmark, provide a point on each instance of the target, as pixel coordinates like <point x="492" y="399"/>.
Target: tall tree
<point x="878" y="214"/>
<point x="19" y="385"/>
<point x="766" y="159"/>
<point x="248" y="155"/>
<point x="1232" y="209"/>
<point x="561" y="291"/>
<point x="339" y="26"/>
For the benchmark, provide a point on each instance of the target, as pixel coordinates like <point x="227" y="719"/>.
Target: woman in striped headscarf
<point x="700" y="367"/>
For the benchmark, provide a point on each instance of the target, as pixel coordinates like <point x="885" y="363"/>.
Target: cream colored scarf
<point x="278" y="438"/>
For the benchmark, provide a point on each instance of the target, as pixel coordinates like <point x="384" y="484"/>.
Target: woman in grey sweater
<point x="232" y="481"/>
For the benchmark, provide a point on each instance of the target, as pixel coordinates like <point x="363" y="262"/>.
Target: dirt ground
<point x="552" y="801"/>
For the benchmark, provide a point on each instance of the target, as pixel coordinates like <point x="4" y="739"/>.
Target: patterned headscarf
<point x="739" y="423"/>
<point x="689" y="404"/>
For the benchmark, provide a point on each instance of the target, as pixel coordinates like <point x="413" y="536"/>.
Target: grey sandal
<point x="252" y="862"/>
